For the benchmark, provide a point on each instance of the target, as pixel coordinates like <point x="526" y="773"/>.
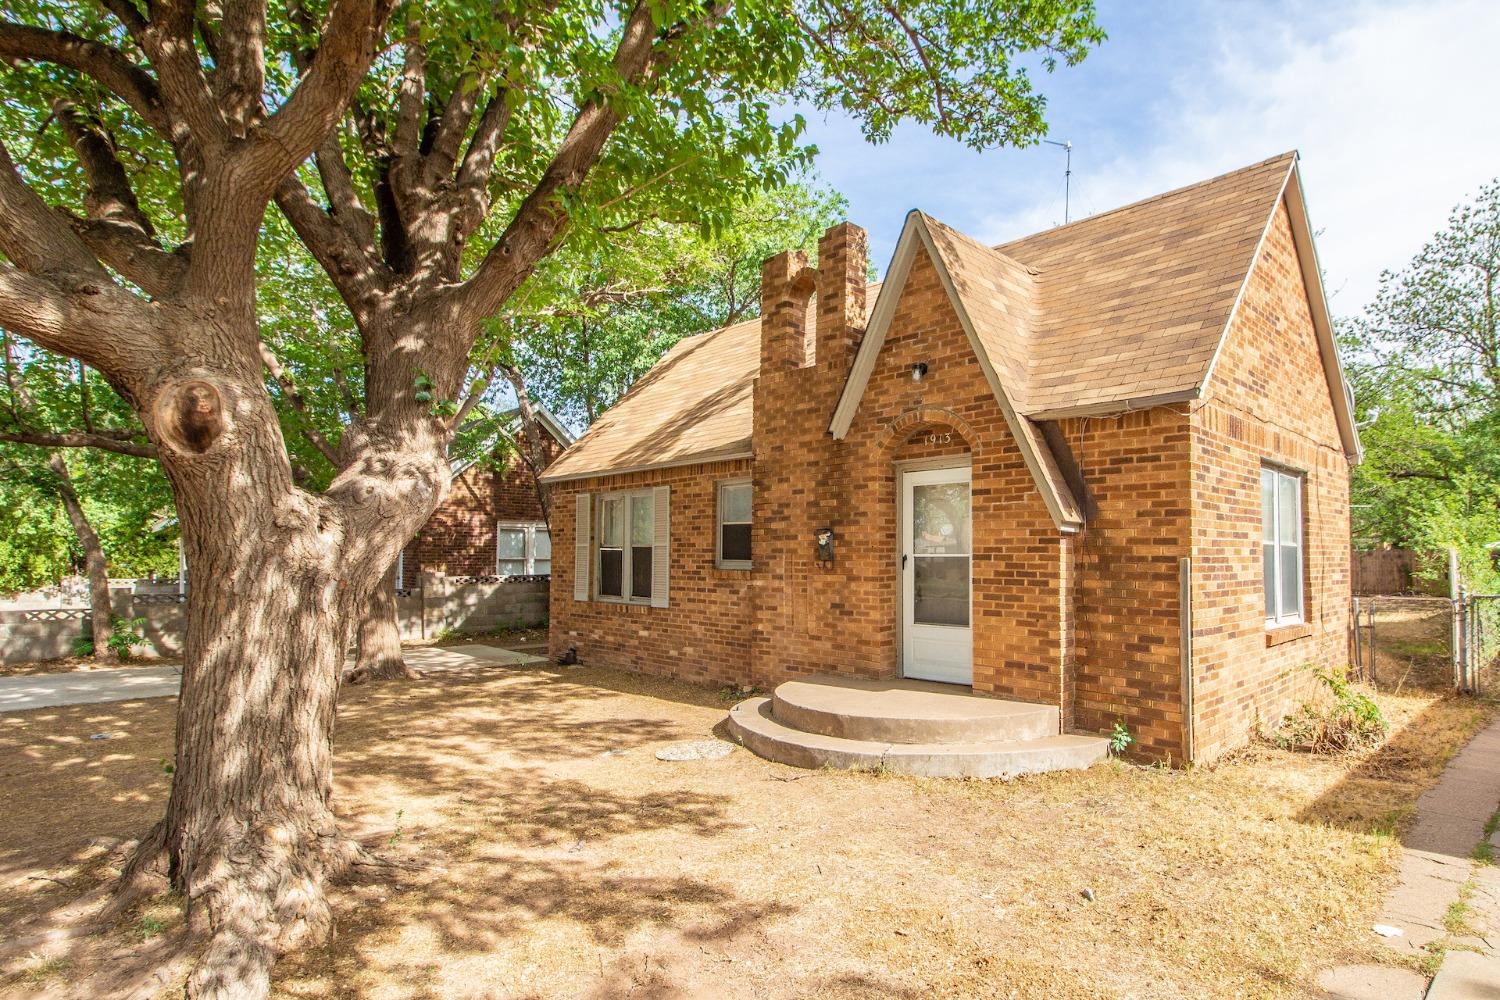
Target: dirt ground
<point x="1413" y="643"/>
<point x="561" y="859"/>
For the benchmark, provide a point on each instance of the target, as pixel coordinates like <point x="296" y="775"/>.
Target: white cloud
<point x="1393" y="109"/>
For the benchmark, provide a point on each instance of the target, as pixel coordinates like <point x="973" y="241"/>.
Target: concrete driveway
<point x="85" y="687"/>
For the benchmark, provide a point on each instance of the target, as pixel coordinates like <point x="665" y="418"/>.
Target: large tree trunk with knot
<point x="249" y="837"/>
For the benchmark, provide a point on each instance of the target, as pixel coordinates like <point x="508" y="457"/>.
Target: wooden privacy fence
<point x="1391" y="571"/>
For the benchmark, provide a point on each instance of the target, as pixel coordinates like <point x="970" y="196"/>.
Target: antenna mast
<point x="1066" y="147"/>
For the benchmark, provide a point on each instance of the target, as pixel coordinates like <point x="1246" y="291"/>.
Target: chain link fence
<point x="1428" y="642"/>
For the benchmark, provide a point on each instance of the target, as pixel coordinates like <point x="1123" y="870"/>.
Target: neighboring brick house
<point x="1104" y="467"/>
<point x="491" y="524"/>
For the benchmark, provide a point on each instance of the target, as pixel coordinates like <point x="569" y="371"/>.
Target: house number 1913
<point x="940" y="438"/>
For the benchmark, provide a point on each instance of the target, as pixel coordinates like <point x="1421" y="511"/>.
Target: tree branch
<point x="322" y="95"/>
<point x="540" y="220"/>
<point x="103" y="441"/>
<point x="293" y="395"/>
<point x="109" y="66"/>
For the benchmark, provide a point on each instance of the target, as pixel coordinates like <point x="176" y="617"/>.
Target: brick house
<point x="491" y="524"/>
<point x="1103" y="468"/>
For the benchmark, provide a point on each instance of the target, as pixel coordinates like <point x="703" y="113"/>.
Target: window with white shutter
<point x="631" y="554"/>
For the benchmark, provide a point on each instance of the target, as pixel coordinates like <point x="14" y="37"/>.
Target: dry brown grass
<point x="564" y="860"/>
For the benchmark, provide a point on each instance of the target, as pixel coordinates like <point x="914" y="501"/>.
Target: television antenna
<point x="1066" y="147"/>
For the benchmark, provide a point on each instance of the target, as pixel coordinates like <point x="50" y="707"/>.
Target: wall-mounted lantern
<point x="824" y="537"/>
<point x="918" y="370"/>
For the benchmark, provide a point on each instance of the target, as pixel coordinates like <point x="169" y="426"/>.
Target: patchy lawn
<point x="564" y="860"/>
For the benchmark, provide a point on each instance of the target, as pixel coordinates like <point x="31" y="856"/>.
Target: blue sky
<point x="1393" y="106"/>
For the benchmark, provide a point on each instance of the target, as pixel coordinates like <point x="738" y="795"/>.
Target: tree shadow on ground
<point x="1378" y="794"/>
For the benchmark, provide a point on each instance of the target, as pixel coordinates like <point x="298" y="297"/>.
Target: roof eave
<point x="672" y="463"/>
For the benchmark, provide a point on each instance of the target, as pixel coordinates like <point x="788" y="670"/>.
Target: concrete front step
<point x="755" y="726"/>
<point x="906" y="712"/>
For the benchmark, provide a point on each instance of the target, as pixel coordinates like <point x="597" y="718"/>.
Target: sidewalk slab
<point x="1466" y="975"/>
<point x="88" y="687"/>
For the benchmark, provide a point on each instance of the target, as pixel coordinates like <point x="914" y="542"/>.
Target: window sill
<point x="736" y="567"/>
<point x="1275" y="636"/>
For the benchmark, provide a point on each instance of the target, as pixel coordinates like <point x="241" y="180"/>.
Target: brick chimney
<point x="786" y="285"/>
<point x="843" y="272"/>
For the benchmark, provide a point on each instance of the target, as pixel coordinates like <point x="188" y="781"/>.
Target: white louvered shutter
<point x="661" y="547"/>
<point x="581" y="548"/>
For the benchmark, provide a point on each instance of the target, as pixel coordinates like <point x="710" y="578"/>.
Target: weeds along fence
<point x="1428" y="642"/>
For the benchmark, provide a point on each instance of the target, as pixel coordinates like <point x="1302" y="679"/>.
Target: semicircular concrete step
<point x="757" y="729"/>
<point x="906" y="712"/>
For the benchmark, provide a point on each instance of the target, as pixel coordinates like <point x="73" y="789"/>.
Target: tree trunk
<point x="101" y="609"/>
<point x="379" y="638"/>
<point x="280" y="576"/>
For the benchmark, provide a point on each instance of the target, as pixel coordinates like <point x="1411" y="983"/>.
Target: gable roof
<point x="509" y="420"/>
<point x="1122" y="310"/>
<point x="693" y="406"/>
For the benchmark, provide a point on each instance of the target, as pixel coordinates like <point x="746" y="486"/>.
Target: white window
<point x="1281" y="544"/>
<point x="732" y="547"/>
<point x="523" y="549"/>
<point x="627" y="533"/>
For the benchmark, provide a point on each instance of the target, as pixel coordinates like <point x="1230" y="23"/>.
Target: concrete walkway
<point x="1438" y="870"/>
<point x="86" y="687"/>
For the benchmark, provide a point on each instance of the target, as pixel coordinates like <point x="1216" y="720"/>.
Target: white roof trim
<point x="1312" y="278"/>
<point x="869" y="350"/>
<point x="671" y="463"/>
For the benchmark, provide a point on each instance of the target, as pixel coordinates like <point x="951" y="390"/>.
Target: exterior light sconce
<point x="824" y="537"/>
<point x="918" y="370"/>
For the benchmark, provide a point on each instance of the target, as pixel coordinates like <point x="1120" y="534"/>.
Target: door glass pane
<point x="612" y="523"/>
<point x="1267" y="505"/>
<point x="940" y="519"/>
<point x="640" y="572"/>
<point x="941" y="591"/>
<point x="642" y="520"/>
<point x="512" y="567"/>
<point x="542" y="545"/>
<point x="512" y="543"/>
<point x="1291" y="580"/>
<point x="734" y="504"/>
<point x="1288" y="523"/>
<point x="1268" y="577"/>
<point x="543" y="567"/>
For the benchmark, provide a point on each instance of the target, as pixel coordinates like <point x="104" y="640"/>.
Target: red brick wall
<point x="704" y="633"/>
<point x="459" y="537"/>
<point x="1127" y="643"/>
<point x="1268" y="401"/>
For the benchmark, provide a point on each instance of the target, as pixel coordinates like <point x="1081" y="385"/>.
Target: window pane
<point x="940" y="519"/>
<point x="612" y="523"/>
<point x="611" y="572"/>
<point x="734" y="503"/>
<point x="1291" y="580"/>
<point x="512" y="567"/>
<point x="541" y="545"/>
<point x="941" y="591"/>
<point x="512" y="543"/>
<point x="1268" y="577"/>
<point x="736" y="544"/>
<point x="543" y="567"/>
<point x="640" y="572"/>
<point x="1267" y="505"/>
<point x="1289" y="523"/>
<point x="642" y="520"/>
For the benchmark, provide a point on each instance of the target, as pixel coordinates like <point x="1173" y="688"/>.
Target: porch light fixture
<point x="918" y="370"/>
<point x="824" y="538"/>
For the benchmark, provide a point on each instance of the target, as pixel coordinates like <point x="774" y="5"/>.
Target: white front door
<point x="936" y="546"/>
